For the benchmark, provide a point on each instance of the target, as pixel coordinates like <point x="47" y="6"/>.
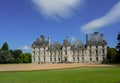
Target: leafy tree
<point x="5" y="46"/>
<point x="16" y="54"/>
<point x="6" y="57"/>
<point x="29" y="57"/>
<point x="118" y="45"/>
<point x="111" y="55"/>
<point x="118" y="48"/>
<point x="25" y="58"/>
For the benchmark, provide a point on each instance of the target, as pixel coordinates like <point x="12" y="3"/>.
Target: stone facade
<point x="94" y="51"/>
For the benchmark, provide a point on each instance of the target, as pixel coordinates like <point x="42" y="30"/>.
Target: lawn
<point x="75" y="75"/>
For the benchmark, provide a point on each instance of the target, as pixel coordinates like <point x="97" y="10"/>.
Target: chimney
<point x="86" y="38"/>
<point x="48" y="41"/>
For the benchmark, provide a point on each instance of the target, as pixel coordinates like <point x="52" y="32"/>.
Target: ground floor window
<point x="59" y="59"/>
<point x="55" y="59"/>
<point x="103" y="59"/>
<point x="51" y="59"/>
<point x="96" y="58"/>
<point x="78" y="59"/>
<point x="90" y="59"/>
<point x="83" y="59"/>
<point x="73" y="58"/>
<point x="44" y="60"/>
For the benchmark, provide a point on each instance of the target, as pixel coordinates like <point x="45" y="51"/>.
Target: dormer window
<point x="96" y="46"/>
<point x="103" y="46"/>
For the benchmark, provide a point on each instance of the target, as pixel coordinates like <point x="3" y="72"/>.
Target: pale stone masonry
<point x="94" y="51"/>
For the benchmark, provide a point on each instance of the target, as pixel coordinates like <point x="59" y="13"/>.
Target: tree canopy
<point x="13" y="56"/>
<point x="5" y="46"/>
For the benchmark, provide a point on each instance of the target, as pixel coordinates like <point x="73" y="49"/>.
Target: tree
<point x="6" y="57"/>
<point x="118" y="45"/>
<point x="112" y="55"/>
<point x="5" y="46"/>
<point x="118" y="48"/>
<point x="29" y="57"/>
<point x="16" y="54"/>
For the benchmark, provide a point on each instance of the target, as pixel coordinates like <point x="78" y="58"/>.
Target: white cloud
<point x="25" y="47"/>
<point x="72" y="38"/>
<point x="111" y="17"/>
<point x="56" y="9"/>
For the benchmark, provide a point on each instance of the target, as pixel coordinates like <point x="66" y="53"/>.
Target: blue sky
<point x="22" y="21"/>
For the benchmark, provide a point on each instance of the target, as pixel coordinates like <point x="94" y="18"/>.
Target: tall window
<point x="78" y="59"/>
<point x="44" y="60"/>
<point x="33" y="52"/>
<point x="103" y="51"/>
<point x="66" y="52"/>
<point x="90" y="52"/>
<point x="97" y="52"/>
<point x="50" y="59"/>
<point x="96" y="58"/>
<point x="59" y="59"/>
<point x="82" y="59"/>
<point x="96" y="46"/>
<point x="103" y="59"/>
<point x="55" y="59"/>
<point x="103" y="46"/>
<point x="74" y="58"/>
<point x="90" y="59"/>
<point x="39" y="59"/>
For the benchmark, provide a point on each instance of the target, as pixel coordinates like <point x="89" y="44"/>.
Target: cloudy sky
<point x="22" y="21"/>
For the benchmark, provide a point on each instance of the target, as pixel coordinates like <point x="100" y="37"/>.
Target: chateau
<point x="94" y="51"/>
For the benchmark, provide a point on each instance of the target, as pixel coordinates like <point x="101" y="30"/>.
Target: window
<point x="82" y="59"/>
<point x="55" y="59"/>
<point x="50" y="59"/>
<point x="78" y="52"/>
<point x="44" y="60"/>
<point x="96" y="51"/>
<point x="33" y="52"/>
<point x="90" y="52"/>
<point x="73" y="58"/>
<point x="90" y="59"/>
<point x="96" y="58"/>
<point x="103" y="59"/>
<point x="103" y="51"/>
<point x="66" y="52"/>
<point x="96" y="46"/>
<point x="99" y="52"/>
<point x="34" y="59"/>
<point x="59" y="59"/>
<point x="39" y="59"/>
<point x="85" y="51"/>
<point x="90" y="46"/>
<point x="103" y="46"/>
<point x="78" y="59"/>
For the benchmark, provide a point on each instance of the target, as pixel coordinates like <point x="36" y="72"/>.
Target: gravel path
<point x="27" y="67"/>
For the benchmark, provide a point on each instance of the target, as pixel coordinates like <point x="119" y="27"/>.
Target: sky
<point x="22" y="21"/>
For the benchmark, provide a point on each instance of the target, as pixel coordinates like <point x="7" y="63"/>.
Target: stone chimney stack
<point x="86" y="38"/>
<point x="48" y="41"/>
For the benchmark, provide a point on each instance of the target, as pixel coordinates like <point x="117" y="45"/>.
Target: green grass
<point x="76" y="75"/>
